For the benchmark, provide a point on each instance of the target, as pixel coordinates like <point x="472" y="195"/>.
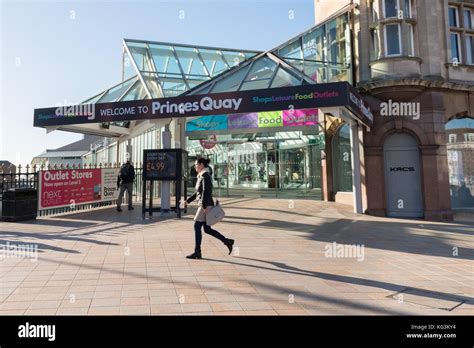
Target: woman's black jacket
<point x="203" y="191"/>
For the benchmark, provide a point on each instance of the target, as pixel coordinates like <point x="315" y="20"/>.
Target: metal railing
<point x="12" y="176"/>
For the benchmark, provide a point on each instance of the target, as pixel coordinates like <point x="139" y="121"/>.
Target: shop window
<point x="342" y="166"/>
<point x="461" y="162"/>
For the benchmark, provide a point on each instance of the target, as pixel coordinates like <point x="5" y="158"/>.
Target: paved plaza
<point x="296" y="257"/>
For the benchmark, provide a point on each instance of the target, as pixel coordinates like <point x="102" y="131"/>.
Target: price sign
<point x="160" y="164"/>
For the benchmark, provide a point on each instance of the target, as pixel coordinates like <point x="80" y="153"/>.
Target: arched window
<point x="460" y="136"/>
<point x="341" y="159"/>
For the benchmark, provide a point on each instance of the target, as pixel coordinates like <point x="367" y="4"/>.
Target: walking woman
<point x="204" y="195"/>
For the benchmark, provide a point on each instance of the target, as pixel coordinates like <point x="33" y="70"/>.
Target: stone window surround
<point x="406" y="24"/>
<point x="461" y="30"/>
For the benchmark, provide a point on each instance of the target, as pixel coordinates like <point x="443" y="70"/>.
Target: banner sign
<point x="337" y="94"/>
<point x="239" y="121"/>
<point x="270" y="119"/>
<point x="308" y="117"/>
<point x="206" y="123"/>
<point x="254" y="120"/>
<point x="70" y="187"/>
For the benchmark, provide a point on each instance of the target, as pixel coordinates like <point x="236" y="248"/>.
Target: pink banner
<point x="306" y="117"/>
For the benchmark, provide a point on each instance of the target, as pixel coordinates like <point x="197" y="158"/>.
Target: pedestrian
<point x="125" y="182"/>
<point x="203" y="194"/>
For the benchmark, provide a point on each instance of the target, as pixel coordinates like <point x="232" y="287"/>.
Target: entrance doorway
<point x="280" y="164"/>
<point x="403" y="176"/>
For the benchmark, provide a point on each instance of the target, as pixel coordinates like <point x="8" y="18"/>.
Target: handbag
<point x="214" y="214"/>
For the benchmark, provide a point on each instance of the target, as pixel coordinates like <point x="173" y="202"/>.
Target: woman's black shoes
<point x="197" y="255"/>
<point x="194" y="255"/>
<point x="230" y="244"/>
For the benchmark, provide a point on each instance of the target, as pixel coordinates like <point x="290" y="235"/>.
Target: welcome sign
<point x="337" y="94"/>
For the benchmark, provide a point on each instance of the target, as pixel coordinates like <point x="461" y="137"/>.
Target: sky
<point x="63" y="52"/>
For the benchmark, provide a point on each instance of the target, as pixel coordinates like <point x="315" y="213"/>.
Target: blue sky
<point x="66" y="51"/>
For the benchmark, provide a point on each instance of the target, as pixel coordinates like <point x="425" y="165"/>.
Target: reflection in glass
<point x="341" y="155"/>
<point x="460" y="148"/>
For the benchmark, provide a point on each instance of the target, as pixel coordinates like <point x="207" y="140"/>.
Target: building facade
<point x="414" y="64"/>
<point x="72" y="154"/>
<point x="411" y="59"/>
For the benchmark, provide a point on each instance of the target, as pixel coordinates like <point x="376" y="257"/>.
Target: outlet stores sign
<point x="337" y="94"/>
<point x="70" y="187"/>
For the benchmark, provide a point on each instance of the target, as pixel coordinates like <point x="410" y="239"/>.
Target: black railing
<point x="28" y="177"/>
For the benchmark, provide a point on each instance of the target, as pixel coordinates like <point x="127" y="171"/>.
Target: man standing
<point x="125" y="182"/>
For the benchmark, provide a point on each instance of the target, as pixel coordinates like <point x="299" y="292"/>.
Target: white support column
<point x="117" y="155"/>
<point x="165" y="185"/>
<point x="129" y="151"/>
<point x="355" y="159"/>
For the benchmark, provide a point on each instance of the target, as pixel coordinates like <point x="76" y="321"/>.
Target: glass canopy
<point x="263" y="71"/>
<point x="157" y="69"/>
<point x="171" y="69"/>
<point x="322" y="52"/>
<point x="130" y="89"/>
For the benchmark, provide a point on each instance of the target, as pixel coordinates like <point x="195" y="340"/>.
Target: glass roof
<point x="130" y="89"/>
<point x="172" y="69"/>
<point x="157" y="69"/>
<point x="323" y="52"/>
<point x="264" y="71"/>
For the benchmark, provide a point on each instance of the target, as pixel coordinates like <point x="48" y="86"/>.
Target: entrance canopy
<point x="154" y="70"/>
<point x="322" y="96"/>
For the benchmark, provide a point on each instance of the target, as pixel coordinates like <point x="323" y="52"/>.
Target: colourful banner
<point x="237" y="121"/>
<point x="207" y="123"/>
<point x="254" y="120"/>
<point x="270" y="119"/>
<point x="306" y="117"/>
<point x="70" y="187"/>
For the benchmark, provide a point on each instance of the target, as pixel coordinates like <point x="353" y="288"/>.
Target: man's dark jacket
<point x="131" y="175"/>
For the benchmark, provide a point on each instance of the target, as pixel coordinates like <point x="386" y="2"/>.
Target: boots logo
<point x="402" y="169"/>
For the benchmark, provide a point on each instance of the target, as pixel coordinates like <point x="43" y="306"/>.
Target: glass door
<point x="293" y="169"/>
